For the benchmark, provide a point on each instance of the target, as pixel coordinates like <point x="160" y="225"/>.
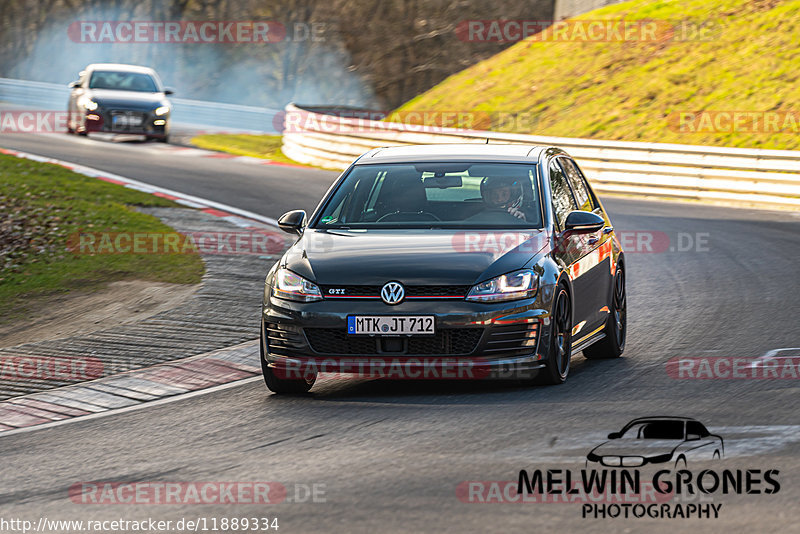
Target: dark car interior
<point x="403" y="194"/>
<point x="123" y="81"/>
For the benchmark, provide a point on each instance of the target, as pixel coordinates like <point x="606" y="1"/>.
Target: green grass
<point x="254" y="146"/>
<point x="628" y="91"/>
<point x="42" y="205"/>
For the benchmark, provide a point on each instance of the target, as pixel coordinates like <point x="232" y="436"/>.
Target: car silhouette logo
<point x="393" y="293"/>
<point x="658" y="440"/>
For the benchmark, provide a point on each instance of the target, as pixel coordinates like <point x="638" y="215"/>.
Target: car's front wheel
<point x="557" y="367"/>
<point x="280" y="385"/>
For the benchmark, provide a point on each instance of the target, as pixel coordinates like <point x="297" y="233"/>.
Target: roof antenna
<point x="487" y="140"/>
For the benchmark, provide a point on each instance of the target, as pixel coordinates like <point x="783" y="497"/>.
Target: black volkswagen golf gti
<point x="446" y="261"/>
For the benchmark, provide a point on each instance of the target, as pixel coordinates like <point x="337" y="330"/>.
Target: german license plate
<point x="390" y="325"/>
<point x="126" y="120"/>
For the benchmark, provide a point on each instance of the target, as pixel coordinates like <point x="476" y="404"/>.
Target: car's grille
<point x="437" y="291"/>
<point x="513" y="338"/>
<point x="336" y="341"/>
<point x="446" y="342"/>
<point x="453" y="341"/>
<point x="345" y="291"/>
<point x="282" y="337"/>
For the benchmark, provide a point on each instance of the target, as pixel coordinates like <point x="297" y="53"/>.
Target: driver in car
<point x="503" y="193"/>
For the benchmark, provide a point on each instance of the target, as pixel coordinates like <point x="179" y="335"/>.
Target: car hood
<point x="127" y="99"/>
<point x="419" y="257"/>
<point x="636" y="447"/>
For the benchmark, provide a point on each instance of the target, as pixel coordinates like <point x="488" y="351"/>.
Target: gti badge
<point x="393" y="293"/>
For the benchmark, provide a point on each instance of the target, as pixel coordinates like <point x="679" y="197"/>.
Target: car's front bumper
<point x="120" y="121"/>
<point x="472" y="340"/>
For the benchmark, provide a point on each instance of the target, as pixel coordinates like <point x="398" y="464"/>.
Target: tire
<point x="616" y="328"/>
<point x="84" y="133"/>
<point x="560" y="351"/>
<point x="164" y="139"/>
<point x="70" y="129"/>
<point x="283" y="385"/>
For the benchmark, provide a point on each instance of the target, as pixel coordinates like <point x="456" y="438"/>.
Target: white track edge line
<point x="94" y="173"/>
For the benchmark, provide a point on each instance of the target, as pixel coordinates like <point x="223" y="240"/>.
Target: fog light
<point x="92" y="117"/>
<point x="159" y="122"/>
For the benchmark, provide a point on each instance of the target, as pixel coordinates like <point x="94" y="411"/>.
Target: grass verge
<point x="254" y="146"/>
<point x="42" y="205"/>
<point x="724" y="56"/>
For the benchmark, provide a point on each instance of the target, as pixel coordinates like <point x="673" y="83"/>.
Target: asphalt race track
<point x="389" y="456"/>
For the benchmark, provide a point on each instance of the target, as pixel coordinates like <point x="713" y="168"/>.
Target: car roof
<point x="661" y="418"/>
<point x="119" y="67"/>
<point x="501" y="153"/>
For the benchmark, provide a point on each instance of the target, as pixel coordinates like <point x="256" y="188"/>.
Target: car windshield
<point x="123" y="81"/>
<point x="435" y="195"/>
<point x="655" y="430"/>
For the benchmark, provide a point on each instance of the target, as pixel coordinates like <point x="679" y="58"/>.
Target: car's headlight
<point x="162" y="110"/>
<point x="512" y="286"/>
<point x="89" y="104"/>
<point x="660" y="459"/>
<point x="290" y="286"/>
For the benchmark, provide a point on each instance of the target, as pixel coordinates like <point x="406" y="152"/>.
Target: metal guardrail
<point x="757" y="177"/>
<point x="47" y="96"/>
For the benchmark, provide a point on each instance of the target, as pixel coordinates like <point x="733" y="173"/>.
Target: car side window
<point x="563" y="203"/>
<point x="663" y="430"/>
<point x="582" y="196"/>
<point x="694" y="427"/>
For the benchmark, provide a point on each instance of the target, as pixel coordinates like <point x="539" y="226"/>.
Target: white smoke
<point x="258" y="74"/>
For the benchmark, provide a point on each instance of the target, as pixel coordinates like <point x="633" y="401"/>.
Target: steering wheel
<point x="410" y="216"/>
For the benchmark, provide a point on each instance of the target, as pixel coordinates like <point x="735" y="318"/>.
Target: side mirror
<point x="292" y="221"/>
<point x="583" y="222"/>
<point x="614" y="435"/>
<point x="692" y="437"/>
<point x="74" y="85"/>
<point x="169" y="91"/>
